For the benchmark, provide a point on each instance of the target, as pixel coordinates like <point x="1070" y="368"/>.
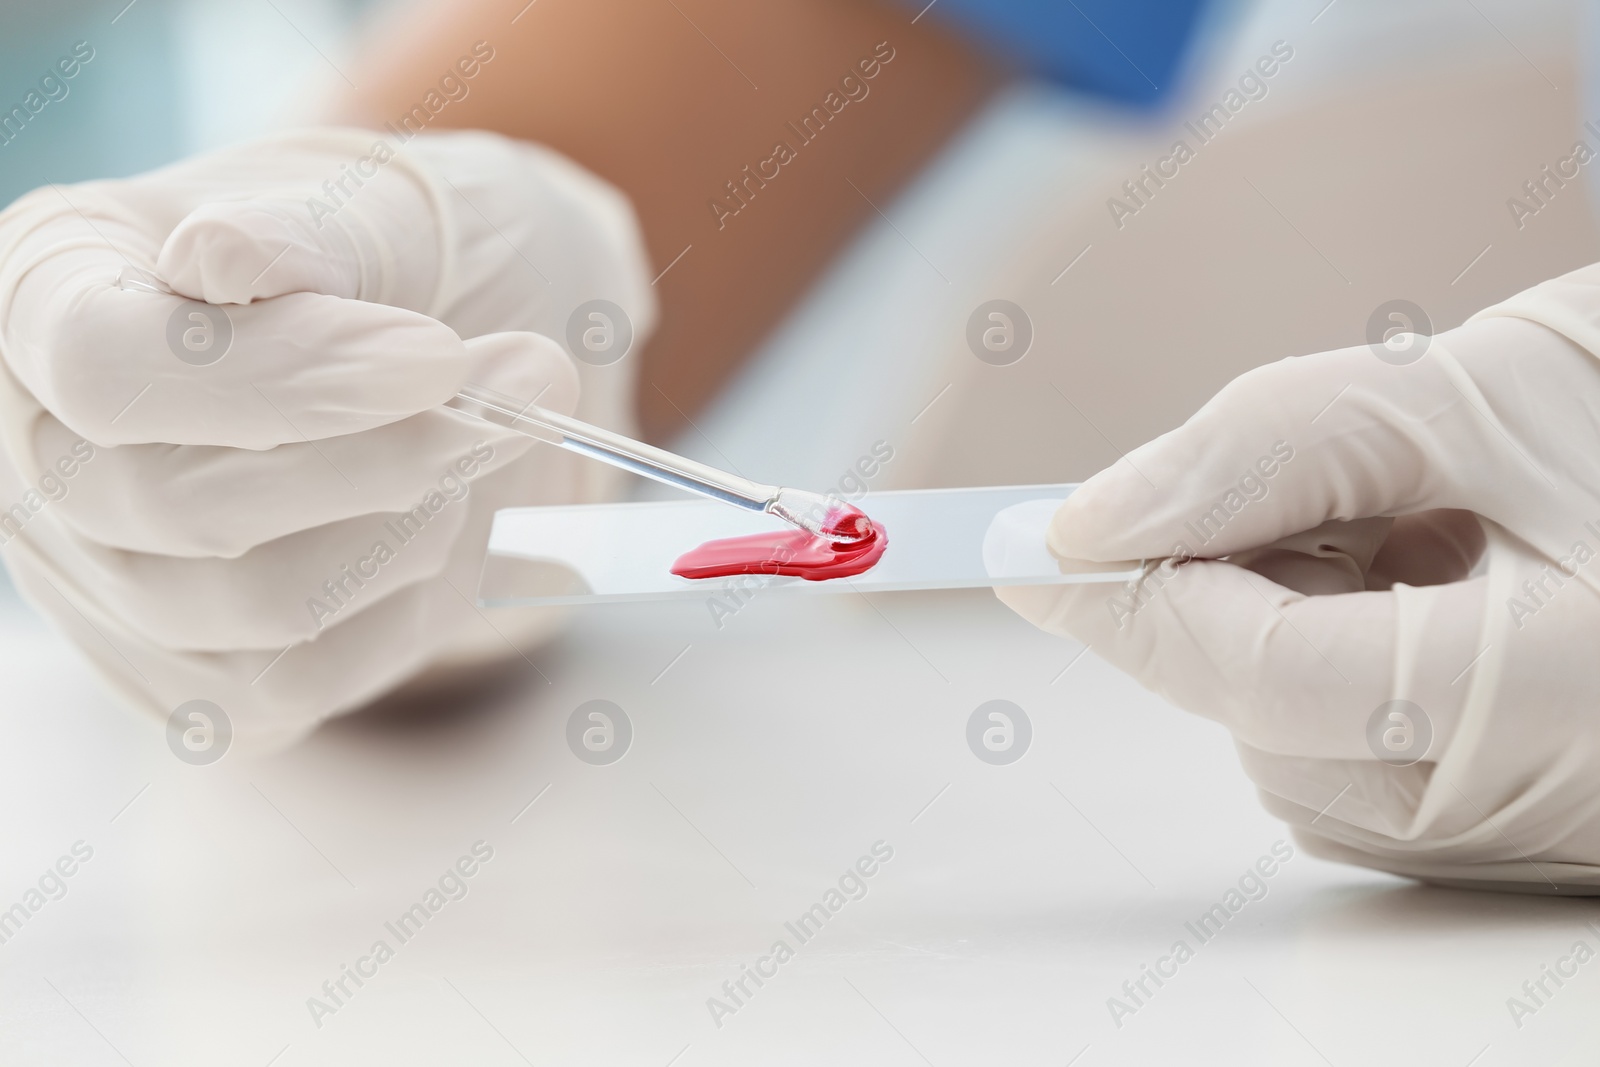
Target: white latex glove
<point x="1487" y="452"/>
<point x="179" y="518"/>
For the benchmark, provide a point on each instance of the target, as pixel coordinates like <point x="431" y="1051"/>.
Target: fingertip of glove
<point x="1089" y="525"/>
<point x="234" y="252"/>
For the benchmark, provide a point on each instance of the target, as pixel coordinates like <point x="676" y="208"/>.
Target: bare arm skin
<point x="670" y="100"/>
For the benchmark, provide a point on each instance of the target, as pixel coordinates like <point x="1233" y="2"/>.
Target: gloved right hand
<point x="256" y="499"/>
<point x="1383" y="578"/>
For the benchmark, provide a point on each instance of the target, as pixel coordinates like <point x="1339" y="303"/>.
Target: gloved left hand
<point x="198" y="490"/>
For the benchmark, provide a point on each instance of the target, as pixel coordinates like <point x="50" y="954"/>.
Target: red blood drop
<point x="851" y="522"/>
<point x="791" y="552"/>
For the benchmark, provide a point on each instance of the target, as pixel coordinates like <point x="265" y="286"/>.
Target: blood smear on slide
<point x="795" y="553"/>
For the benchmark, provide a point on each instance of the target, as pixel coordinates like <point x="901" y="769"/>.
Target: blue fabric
<point x="1129" y="50"/>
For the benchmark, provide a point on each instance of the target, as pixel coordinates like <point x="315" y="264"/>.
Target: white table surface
<point x="766" y="759"/>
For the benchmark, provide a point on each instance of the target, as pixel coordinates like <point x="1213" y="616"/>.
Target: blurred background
<point x="169" y="78"/>
<point x="1389" y="145"/>
<point x="1378" y="167"/>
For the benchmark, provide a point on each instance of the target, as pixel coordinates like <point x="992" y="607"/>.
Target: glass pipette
<point x="831" y="520"/>
<point x="828" y="519"/>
